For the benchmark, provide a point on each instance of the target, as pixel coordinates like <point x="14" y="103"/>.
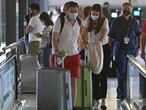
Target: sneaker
<point x="96" y="105"/>
<point x="103" y="101"/>
<point x="74" y="108"/>
<point x="103" y="107"/>
<point x="103" y="104"/>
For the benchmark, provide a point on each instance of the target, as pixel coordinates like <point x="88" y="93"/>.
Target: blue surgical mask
<point x="72" y="15"/>
<point x="94" y="18"/>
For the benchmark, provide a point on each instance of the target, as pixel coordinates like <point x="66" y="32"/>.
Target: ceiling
<point x="91" y="2"/>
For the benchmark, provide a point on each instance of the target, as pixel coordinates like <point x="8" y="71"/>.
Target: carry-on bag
<point x="54" y="89"/>
<point x="84" y="84"/>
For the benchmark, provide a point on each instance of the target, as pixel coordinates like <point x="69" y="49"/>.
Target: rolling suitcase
<point x="29" y="66"/>
<point x="54" y="89"/>
<point x="84" y="85"/>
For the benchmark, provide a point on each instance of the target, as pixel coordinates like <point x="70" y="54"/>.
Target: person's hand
<point x="137" y="49"/>
<point x="85" y="44"/>
<point x="58" y="53"/>
<point x="44" y="38"/>
<point x="38" y="35"/>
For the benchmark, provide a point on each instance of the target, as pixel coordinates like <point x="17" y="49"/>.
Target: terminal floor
<point x="112" y="104"/>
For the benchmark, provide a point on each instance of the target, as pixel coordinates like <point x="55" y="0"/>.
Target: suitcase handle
<point x="67" y="91"/>
<point x="86" y="62"/>
<point x="56" y="62"/>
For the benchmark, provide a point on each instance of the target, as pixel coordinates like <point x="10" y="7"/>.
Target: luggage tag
<point x="126" y="40"/>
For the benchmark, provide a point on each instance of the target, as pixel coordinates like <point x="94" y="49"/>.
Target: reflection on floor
<point x="30" y="99"/>
<point x="112" y="103"/>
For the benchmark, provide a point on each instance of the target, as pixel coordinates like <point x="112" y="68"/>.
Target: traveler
<point x="46" y="35"/>
<point x="34" y="26"/>
<point x="124" y="35"/>
<point x="66" y="40"/>
<point x="95" y="37"/>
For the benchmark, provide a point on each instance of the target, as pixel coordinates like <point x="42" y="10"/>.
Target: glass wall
<point x="2" y="23"/>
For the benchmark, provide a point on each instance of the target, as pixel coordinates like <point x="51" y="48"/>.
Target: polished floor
<point x="29" y="100"/>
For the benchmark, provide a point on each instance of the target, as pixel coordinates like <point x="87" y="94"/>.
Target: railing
<point x="14" y="45"/>
<point x="8" y="89"/>
<point x="9" y="60"/>
<point x="129" y="105"/>
<point x="135" y="82"/>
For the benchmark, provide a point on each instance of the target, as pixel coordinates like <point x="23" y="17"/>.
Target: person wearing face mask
<point x="124" y="36"/>
<point x="95" y="38"/>
<point x="46" y="47"/>
<point x="66" y="41"/>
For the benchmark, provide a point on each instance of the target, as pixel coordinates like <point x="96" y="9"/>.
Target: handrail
<point x="13" y="45"/>
<point x="125" y="105"/>
<point x="6" y="61"/>
<point x="1" y="53"/>
<point x="139" y="66"/>
<point x="129" y="105"/>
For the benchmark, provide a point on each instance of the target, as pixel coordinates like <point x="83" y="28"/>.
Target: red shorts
<point x="71" y="62"/>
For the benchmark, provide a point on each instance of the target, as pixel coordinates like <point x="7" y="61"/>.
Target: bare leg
<point x="74" y="90"/>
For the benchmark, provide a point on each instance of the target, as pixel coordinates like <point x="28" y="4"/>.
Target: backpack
<point x="61" y="16"/>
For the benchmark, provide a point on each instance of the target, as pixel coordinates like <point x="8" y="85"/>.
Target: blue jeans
<point x="46" y="52"/>
<point x="121" y="74"/>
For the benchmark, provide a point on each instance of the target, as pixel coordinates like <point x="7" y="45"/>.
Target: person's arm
<point x="84" y="36"/>
<point x="30" y="26"/>
<point x="112" y="33"/>
<point x="55" y="35"/>
<point x="110" y="41"/>
<point x="29" y="29"/>
<point x="143" y="40"/>
<point x="143" y="44"/>
<point x="138" y="41"/>
<point x="55" y="41"/>
<point x="104" y="30"/>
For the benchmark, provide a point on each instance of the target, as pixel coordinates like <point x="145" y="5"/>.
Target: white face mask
<point x="94" y="18"/>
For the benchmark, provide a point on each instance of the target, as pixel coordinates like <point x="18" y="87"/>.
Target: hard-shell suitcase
<point x="29" y="66"/>
<point x="84" y="85"/>
<point x="54" y="89"/>
<point x="84" y="93"/>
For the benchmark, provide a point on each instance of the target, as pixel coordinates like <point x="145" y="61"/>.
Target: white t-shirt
<point x="37" y="28"/>
<point x="68" y="37"/>
<point x="92" y="37"/>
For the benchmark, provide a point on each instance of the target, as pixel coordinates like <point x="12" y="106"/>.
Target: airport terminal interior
<point x="21" y="91"/>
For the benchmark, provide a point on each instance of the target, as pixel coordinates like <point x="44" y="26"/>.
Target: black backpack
<point x="61" y="16"/>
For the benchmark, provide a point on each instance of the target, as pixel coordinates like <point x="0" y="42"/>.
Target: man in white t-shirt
<point x="66" y="40"/>
<point x="35" y="26"/>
